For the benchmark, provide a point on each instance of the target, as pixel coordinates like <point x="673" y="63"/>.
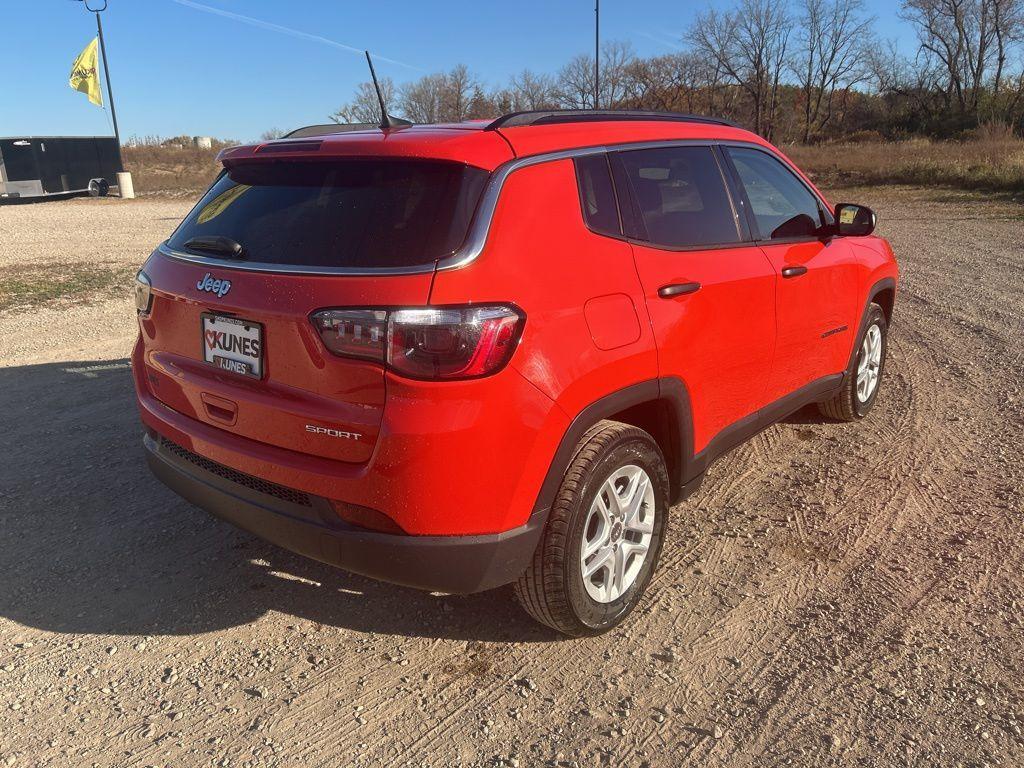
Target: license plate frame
<point x="231" y="361"/>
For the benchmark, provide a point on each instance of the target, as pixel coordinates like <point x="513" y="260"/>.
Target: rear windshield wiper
<point x="224" y="246"/>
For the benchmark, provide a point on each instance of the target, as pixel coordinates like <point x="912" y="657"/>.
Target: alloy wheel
<point x="617" y="533"/>
<point x="869" y="363"/>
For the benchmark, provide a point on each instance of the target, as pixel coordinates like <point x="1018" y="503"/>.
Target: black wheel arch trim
<point x="686" y="468"/>
<point x="886" y="283"/>
<point x="669" y="391"/>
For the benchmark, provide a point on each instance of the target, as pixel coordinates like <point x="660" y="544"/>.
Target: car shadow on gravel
<point x="90" y="542"/>
<point x="809" y="414"/>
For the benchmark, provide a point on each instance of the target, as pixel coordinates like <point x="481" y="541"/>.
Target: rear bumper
<point x="308" y="525"/>
<point x="460" y="458"/>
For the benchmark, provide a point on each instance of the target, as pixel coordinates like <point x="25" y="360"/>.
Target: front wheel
<point x="603" y="536"/>
<point x="861" y="383"/>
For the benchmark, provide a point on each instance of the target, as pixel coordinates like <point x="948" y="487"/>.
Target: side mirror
<point x="800" y="225"/>
<point x="854" y="220"/>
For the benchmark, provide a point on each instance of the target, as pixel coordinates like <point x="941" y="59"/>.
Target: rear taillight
<point x="428" y="343"/>
<point x="143" y="293"/>
<point x="354" y="332"/>
<point x="451" y="343"/>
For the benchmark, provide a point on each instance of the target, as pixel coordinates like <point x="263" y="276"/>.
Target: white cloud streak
<point x="270" y="26"/>
<point x="660" y="39"/>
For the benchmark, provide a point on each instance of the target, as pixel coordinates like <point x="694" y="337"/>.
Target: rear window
<point x="378" y="213"/>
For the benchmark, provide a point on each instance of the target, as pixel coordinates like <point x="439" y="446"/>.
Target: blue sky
<point x="178" y="69"/>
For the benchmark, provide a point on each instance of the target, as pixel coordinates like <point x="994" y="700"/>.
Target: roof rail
<point x="328" y="128"/>
<point x="556" y="116"/>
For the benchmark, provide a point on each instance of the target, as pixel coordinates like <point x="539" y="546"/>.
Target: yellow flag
<point x="85" y="73"/>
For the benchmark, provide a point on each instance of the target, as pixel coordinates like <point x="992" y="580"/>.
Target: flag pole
<point x="110" y="91"/>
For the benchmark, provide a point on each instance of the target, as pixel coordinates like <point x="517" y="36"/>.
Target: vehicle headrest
<point x="648" y="194"/>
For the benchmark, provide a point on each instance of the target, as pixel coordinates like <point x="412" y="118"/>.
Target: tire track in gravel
<point x="925" y="506"/>
<point x="905" y="471"/>
<point x="887" y="620"/>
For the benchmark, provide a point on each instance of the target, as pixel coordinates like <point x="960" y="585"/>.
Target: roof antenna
<point x="386" y="120"/>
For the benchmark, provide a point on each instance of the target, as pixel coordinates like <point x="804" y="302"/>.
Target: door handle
<point x="794" y="271"/>
<point x="672" y="290"/>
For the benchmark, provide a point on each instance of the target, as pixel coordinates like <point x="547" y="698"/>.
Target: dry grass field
<point x="992" y="160"/>
<point x="159" y="168"/>
<point x="834" y="595"/>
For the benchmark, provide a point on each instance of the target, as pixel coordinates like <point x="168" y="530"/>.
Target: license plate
<point x="233" y="344"/>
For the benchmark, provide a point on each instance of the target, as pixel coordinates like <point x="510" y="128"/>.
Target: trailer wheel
<point x="98" y="187"/>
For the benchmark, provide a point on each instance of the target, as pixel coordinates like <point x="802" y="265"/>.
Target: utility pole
<point x="597" y="52"/>
<point x="106" y="72"/>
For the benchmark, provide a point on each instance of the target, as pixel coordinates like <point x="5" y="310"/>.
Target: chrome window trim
<point x="480" y="226"/>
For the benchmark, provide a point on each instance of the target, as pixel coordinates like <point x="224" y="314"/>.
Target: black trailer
<point x="42" y="166"/>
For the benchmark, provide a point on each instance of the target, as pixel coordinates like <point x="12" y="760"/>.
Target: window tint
<point x="597" y="196"/>
<point x="680" y="196"/>
<point x="781" y="203"/>
<point x="349" y="213"/>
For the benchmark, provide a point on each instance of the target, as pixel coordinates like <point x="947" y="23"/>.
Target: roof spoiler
<point x="328" y="128"/>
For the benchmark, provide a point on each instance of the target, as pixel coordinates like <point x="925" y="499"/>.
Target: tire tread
<point x="841" y="407"/>
<point x="540" y="590"/>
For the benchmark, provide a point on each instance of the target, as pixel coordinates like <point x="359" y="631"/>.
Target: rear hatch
<point x="228" y="339"/>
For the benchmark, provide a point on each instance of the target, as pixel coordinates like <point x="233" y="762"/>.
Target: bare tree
<point x="422" y="100"/>
<point x="575" y="82"/>
<point x="273" y="133"/>
<point x="1008" y="21"/>
<point x="460" y="85"/>
<point x="364" y="107"/>
<point x="970" y="41"/>
<point x="529" y="91"/>
<point x="679" y="82"/>
<point x="616" y="58"/>
<point x="749" y="44"/>
<point x="442" y="97"/>
<point x="830" y="55"/>
<point x="652" y="84"/>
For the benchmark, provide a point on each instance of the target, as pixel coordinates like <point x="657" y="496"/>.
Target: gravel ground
<point x="834" y="595"/>
<point x="108" y="231"/>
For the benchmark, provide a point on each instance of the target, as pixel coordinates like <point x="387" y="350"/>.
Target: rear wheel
<point x="861" y="383"/>
<point x="99" y="187"/>
<point x="603" y="536"/>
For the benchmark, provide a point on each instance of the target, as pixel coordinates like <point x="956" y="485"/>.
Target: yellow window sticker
<point x="219" y="204"/>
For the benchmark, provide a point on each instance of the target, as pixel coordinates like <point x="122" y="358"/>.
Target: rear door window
<point x="353" y="213"/>
<point x="679" y="197"/>
<point x="782" y="204"/>
<point x="597" y="195"/>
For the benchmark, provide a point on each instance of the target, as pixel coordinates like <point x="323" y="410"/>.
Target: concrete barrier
<point x="125" y="188"/>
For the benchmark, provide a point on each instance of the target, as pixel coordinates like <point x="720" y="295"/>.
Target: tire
<point x="554" y="590"/>
<point x="850" y="404"/>
<point x="98" y="187"/>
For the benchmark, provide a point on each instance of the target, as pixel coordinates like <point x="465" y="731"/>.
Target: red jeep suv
<point x="459" y="356"/>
